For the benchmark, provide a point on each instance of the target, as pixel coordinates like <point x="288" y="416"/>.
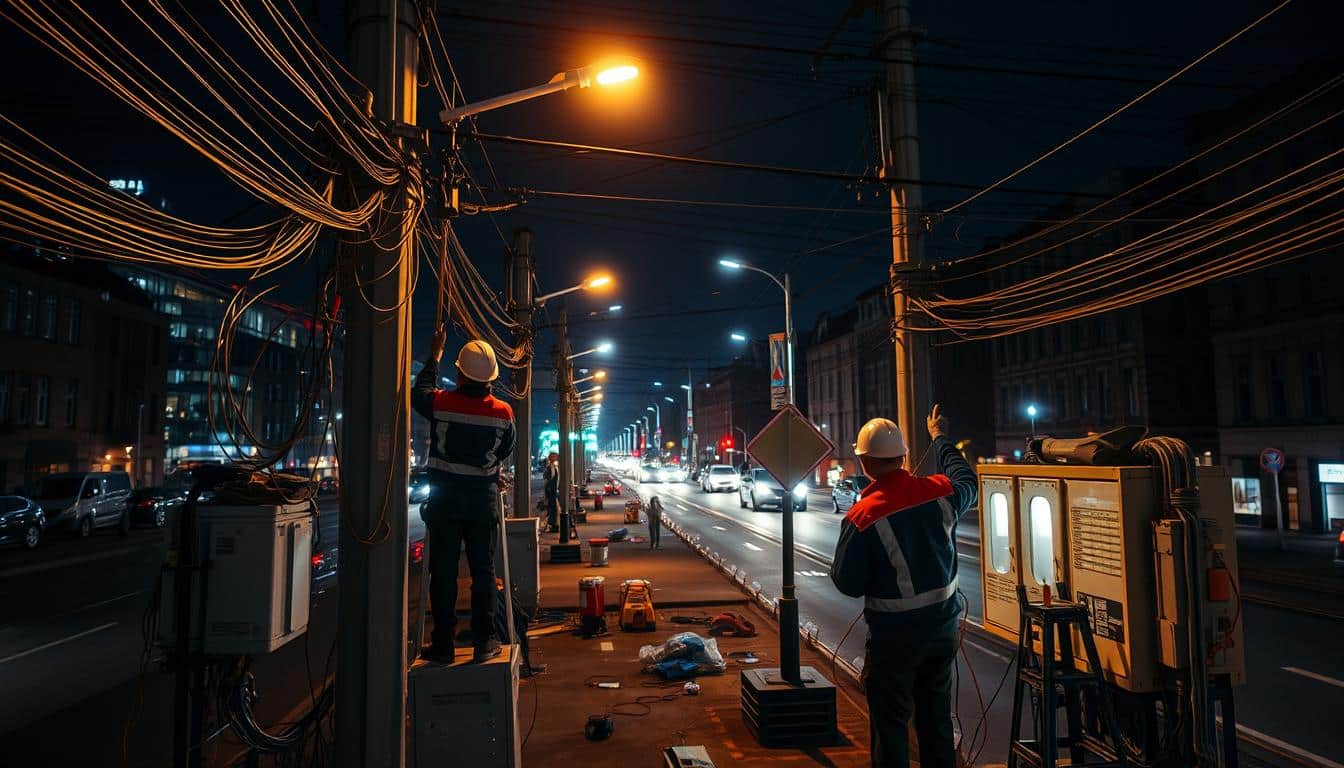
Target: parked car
<point x="80" y="502"/>
<point x="649" y="473"/>
<point x="150" y="506"/>
<point x="846" y="492"/>
<point x="719" y="477"/>
<point x="757" y="488"/>
<point x="21" y="521"/>
<point x="1339" y="549"/>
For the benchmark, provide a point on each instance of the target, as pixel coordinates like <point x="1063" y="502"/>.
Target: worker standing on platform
<point x="655" y="513"/>
<point x="897" y="550"/>
<point x="552" y="487"/>
<point x="471" y="436"/>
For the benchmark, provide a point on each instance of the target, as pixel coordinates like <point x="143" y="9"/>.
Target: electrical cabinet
<point x="524" y="561"/>
<point x="1096" y="534"/>
<point x="464" y="713"/>
<point x="257" y="579"/>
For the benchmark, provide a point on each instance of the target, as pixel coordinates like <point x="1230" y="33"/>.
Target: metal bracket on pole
<point x="911" y="279"/>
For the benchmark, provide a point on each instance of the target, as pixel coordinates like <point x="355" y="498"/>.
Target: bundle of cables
<point x="235" y="708"/>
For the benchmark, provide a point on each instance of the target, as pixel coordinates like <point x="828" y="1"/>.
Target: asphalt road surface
<point x="1295" y="668"/>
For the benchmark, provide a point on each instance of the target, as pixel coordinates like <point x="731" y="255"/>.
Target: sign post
<point x="779" y="361"/>
<point x="1271" y="460"/>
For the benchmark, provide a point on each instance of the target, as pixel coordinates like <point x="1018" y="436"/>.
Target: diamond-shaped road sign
<point x="789" y="447"/>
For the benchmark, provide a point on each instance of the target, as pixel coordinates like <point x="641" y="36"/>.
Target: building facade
<point x="833" y="371"/>
<point x="82" y="372"/>
<point x="732" y="404"/>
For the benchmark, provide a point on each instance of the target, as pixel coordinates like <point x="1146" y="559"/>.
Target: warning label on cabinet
<point x="1107" y="616"/>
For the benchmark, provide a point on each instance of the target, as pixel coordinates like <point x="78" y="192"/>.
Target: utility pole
<point x="521" y="256"/>
<point x="899" y="148"/>
<point x="371" y="632"/>
<point x="562" y="397"/>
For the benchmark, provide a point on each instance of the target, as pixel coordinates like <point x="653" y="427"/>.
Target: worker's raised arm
<point x="965" y="487"/>
<point x="426" y="384"/>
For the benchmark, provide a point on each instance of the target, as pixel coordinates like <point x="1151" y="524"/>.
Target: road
<point x="1295" y="671"/>
<point x="71" y="644"/>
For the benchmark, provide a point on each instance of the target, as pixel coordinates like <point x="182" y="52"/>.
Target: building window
<point x="1080" y="394"/>
<point x="21" y="404"/>
<point x="1278" y="386"/>
<point x="49" y="306"/>
<point x="28" y="319"/>
<point x="72" y="310"/>
<point x="1246" y="496"/>
<point x="9" y="310"/>
<point x="40" y="412"/>
<point x="1104" y="393"/>
<point x="1131" y="391"/>
<point x="71" y="402"/>
<point x="4" y="398"/>
<point x="1313" y="383"/>
<point x="1242" y="392"/>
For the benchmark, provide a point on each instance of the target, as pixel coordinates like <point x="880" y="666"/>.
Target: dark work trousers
<point x="552" y="511"/>
<point x="456" y="516"/>
<point x="655" y="526"/>
<point x="909" y="672"/>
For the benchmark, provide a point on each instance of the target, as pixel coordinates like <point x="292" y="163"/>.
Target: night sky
<point x="998" y="83"/>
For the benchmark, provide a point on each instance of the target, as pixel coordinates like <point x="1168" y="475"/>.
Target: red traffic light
<point x="727" y="442"/>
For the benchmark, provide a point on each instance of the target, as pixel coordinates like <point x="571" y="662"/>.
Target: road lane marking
<point x="109" y="600"/>
<point x="55" y="643"/>
<point x="987" y="651"/>
<point x="48" y="565"/>
<point x="752" y="547"/>
<point x="1252" y="735"/>
<point x="719" y="528"/>
<point x="1315" y="676"/>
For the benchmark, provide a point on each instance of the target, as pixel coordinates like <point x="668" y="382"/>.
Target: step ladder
<point x="1054" y="683"/>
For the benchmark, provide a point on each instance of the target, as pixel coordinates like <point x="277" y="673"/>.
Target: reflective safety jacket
<point x="897" y="547"/>
<point x="471" y="431"/>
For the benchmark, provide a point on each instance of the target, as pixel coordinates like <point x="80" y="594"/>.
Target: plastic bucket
<point x="598" y="548"/>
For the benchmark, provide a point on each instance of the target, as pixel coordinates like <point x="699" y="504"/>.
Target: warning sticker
<point x="1106" y="615"/>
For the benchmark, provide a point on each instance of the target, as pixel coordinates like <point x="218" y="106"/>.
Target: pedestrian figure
<point x="471" y="436"/>
<point x="552" y="485"/>
<point x="655" y="521"/>
<point x="897" y="550"/>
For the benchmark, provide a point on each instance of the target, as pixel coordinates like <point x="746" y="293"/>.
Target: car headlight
<point x="766" y="493"/>
<point x="800" y="491"/>
<point x="420" y="493"/>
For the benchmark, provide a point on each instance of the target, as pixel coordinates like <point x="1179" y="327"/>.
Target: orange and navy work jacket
<point x="897" y="547"/>
<point x="471" y="432"/>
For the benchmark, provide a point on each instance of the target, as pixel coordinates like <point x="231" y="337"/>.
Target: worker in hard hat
<point x="897" y="550"/>
<point x="471" y="436"/>
<point x="551" y="480"/>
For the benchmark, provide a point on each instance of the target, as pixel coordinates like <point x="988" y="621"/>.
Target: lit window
<point x="998" y="532"/>
<point x="1042" y="540"/>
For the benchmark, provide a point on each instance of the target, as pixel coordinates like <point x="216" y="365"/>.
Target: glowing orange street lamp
<point x="583" y="77"/>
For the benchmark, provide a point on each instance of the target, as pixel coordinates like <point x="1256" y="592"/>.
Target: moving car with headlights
<point x="671" y="473"/>
<point x="757" y="488"/>
<point x="1339" y="549"/>
<point x="419" y="485"/>
<point x="846" y="492"/>
<point x="80" y="502"/>
<point x="719" y="477"/>
<point x="150" y="506"/>
<point x="21" y="521"/>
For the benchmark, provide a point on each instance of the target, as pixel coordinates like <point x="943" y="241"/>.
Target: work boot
<point x="486" y="652"/>
<point x="439" y="653"/>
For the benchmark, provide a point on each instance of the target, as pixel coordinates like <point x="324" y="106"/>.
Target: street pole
<point x="899" y="137"/>
<point x="138" y="459"/>
<point x="562" y="389"/>
<point x="371" y="628"/>
<point x="788" y="331"/>
<point x="689" y="447"/>
<point x="521" y="255"/>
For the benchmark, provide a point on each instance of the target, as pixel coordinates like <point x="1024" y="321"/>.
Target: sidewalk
<point x="650" y="715"/>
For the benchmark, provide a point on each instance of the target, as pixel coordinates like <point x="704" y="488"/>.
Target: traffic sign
<point x="1271" y="460"/>
<point x="790" y="447"/>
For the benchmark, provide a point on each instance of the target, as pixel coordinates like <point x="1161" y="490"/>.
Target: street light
<point x="657" y="383"/>
<point x="594" y="283"/>
<point x="604" y="348"/>
<point x="583" y="77"/>
<point x="1031" y="413"/>
<point x="788" y="311"/>
<point x="596" y="376"/>
<point x="737" y="336"/>
<point x="658" y="422"/>
<point x="614" y="308"/>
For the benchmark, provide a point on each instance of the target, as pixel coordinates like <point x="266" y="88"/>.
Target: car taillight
<point x="417" y="552"/>
<point x="1341" y="537"/>
<point x="318" y="559"/>
<point x="146" y="503"/>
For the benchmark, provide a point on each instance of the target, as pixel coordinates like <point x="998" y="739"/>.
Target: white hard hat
<point x="881" y="439"/>
<point x="476" y="361"/>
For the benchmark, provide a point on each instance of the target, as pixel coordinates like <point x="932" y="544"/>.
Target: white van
<point x="79" y="502"/>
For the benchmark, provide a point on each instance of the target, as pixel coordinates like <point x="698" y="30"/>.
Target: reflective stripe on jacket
<point x="471" y="431"/>
<point x="897" y="546"/>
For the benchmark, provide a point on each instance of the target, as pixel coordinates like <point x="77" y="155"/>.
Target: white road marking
<point x="751" y="546"/>
<point x="1315" y="676"/>
<point x="718" y="528"/>
<point x="987" y="651"/>
<point x="105" y="602"/>
<point x="55" y="643"/>
<point x="1253" y="735"/>
<point x="48" y="565"/>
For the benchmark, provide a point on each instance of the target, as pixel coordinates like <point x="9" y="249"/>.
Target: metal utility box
<point x="257" y="576"/>
<point x="524" y="561"/>
<point x="1096" y="531"/>
<point x="464" y="713"/>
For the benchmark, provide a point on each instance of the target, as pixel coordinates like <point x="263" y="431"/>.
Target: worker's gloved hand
<point x="436" y="343"/>
<point x="937" y="422"/>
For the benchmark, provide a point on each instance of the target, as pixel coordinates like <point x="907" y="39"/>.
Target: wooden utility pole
<point x="371" y="666"/>
<point x="899" y="137"/>
<point x="563" y="395"/>
<point x="520" y="256"/>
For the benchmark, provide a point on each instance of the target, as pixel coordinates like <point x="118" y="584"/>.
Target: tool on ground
<point x="731" y="624"/>
<point x="618" y="534"/>
<point x="592" y="606"/>
<point x="691" y="688"/>
<point x="687" y="757"/>
<point x="597" y="503"/>
<point x="632" y="509"/>
<point x="599" y="727"/>
<point x="637" y="606"/>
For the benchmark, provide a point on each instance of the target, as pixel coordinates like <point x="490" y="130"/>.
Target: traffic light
<point x="727" y="442"/>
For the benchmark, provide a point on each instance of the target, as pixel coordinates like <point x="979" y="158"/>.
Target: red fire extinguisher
<point x="592" y="606"/>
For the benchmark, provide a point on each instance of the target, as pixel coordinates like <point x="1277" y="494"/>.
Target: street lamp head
<point x="599" y="375"/>
<point x="597" y="281"/>
<point x="1031" y="410"/>
<point x="605" y="347"/>
<point x="614" y="308"/>
<point x="670" y="400"/>
<point x="730" y="263"/>
<point x="649" y="409"/>
<point x="686" y="387"/>
<point x="737" y="336"/>
<point x="617" y="74"/>
<point x="657" y="383"/>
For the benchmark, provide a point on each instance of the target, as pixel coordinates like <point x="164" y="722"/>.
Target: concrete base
<point x="783" y="714"/>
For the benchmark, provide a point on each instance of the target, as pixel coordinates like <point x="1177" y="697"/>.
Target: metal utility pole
<point x="521" y="258"/>
<point x="382" y="36"/>
<point x="899" y="148"/>
<point x="562" y="407"/>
